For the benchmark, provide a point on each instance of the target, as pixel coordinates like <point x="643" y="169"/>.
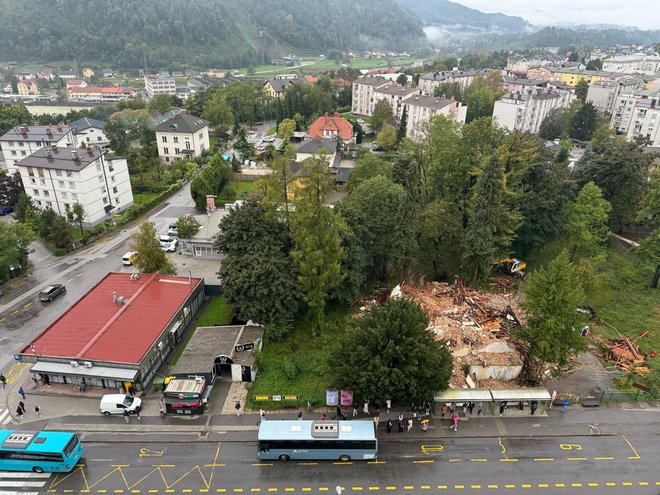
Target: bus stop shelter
<point x="492" y="399"/>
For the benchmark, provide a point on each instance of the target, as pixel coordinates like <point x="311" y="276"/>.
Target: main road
<point x="589" y="465"/>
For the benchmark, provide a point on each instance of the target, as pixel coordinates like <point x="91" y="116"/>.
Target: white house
<point x="89" y="132"/>
<point x="525" y="112"/>
<point x="395" y="95"/>
<point x="646" y="120"/>
<point x="420" y="109"/>
<point x="363" y="94"/>
<point x="57" y="178"/>
<point x="160" y="84"/>
<point x="182" y="136"/>
<point x="22" y="141"/>
<point x="428" y="82"/>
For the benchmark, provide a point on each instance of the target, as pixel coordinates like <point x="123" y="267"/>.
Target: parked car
<point x="128" y="259"/>
<point x="51" y="292"/>
<point x="376" y="147"/>
<point x="360" y="121"/>
<point x="165" y="239"/>
<point x="117" y="403"/>
<point x="5" y="210"/>
<point x="173" y="230"/>
<point x="269" y="139"/>
<point x="171" y="247"/>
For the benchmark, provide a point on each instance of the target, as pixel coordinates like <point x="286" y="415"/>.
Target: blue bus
<point x="39" y="451"/>
<point x="338" y="440"/>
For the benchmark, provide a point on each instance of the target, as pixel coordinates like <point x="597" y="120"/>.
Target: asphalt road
<point x="548" y="465"/>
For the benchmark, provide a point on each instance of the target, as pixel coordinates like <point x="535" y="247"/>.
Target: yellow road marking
<point x="425" y="487"/>
<point x="627" y="483"/>
<point x="525" y="486"/>
<point x="3" y="319"/>
<point x="541" y="459"/>
<point x="455" y="460"/>
<point x="153" y="491"/>
<point x="219" y="490"/>
<point x="238" y="490"/>
<point x="79" y="274"/>
<point x="636" y="456"/>
<point x="509" y="486"/>
<point x="576" y="485"/>
<point x="478" y="460"/>
<point x="27" y="305"/>
<point x="508" y="460"/>
<point x="442" y="487"/>
<point x="423" y="461"/>
<point x="67" y="491"/>
<point x="475" y="487"/>
<point x="357" y="488"/>
<point x="14" y="313"/>
<point x="643" y="483"/>
<point x="374" y="488"/>
<point x="289" y="489"/>
<point x="610" y="484"/>
<point x="119" y="491"/>
<point x="592" y="484"/>
<point x="272" y="489"/>
<point x="307" y="463"/>
<point x="493" y="486"/>
<point x="203" y="490"/>
<point x="323" y="489"/>
<point x="97" y="491"/>
<point x="349" y="462"/>
<point x="70" y="280"/>
<point x="376" y="462"/>
<point x="459" y="487"/>
<point x="306" y="489"/>
<point x="576" y="458"/>
<point x="390" y="488"/>
<point x="560" y="485"/>
<point x="408" y="487"/>
<point x="543" y="485"/>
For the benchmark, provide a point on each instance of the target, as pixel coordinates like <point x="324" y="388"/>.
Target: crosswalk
<point x="15" y="373"/>
<point x="17" y="483"/>
<point x="5" y="417"/>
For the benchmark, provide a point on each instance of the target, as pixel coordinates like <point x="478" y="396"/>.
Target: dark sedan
<point x="51" y="292"/>
<point x="5" y="210"/>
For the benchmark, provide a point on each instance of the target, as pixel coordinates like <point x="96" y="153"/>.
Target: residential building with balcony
<point x="21" y="141"/>
<point x="182" y="137"/>
<point x="421" y="109"/>
<point x="363" y="94"/>
<point x="89" y="132"/>
<point x="57" y="178"/>
<point x="428" y="82"/>
<point x="395" y="95"/>
<point x="525" y="112"/>
<point x="645" y="120"/>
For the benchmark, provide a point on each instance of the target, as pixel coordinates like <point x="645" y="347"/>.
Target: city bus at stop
<point x="335" y="440"/>
<point x="39" y="451"/>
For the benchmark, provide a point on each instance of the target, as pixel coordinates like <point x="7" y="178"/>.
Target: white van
<point x="128" y="258"/>
<point x="117" y="403"/>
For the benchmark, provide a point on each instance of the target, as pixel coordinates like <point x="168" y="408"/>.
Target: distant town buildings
<point x="182" y="136"/>
<point x="27" y="87"/>
<point x="159" y="84"/>
<point x="57" y="178"/>
<point x="332" y="126"/>
<point x="639" y="62"/>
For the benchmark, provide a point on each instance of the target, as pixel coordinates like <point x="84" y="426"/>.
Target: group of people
<point x="20" y="409"/>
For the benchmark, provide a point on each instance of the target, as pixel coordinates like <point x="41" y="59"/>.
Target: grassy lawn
<point x="241" y="187"/>
<point x="218" y="312"/>
<point x="299" y="365"/>
<point x="143" y="197"/>
<point x="272" y="131"/>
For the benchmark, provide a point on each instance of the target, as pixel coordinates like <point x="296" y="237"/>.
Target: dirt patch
<point x="587" y="377"/>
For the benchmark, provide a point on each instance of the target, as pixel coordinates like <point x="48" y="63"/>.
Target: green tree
<point x="76" y="216"/>
<point x="584" y="122"/>
<point x="317" y="234"/>
<point x="59" y="231"/>
<point x="11" y="188"/>
<point x="403" y="125"/>
<point x="219" y="115"/>
<point x="553" y="125"/>
<point x="149" y="257"/>
<point x="286" y="129"/>
<point x="367" y="167"/>
<point x="14" y="241"/>
<point x="387" y="137"/>
<point x="382" y="115"/>
<point x="242" y="145"/>
<point x="649" y="213"/>
<point x="259" y="276"/>
<point x="620" y="170"/>
<point x="586" y="221"/>
<point x="12" y="116"/>
<point x="480" y="104"/>
<point x="210" y="181"/>
<point x="553" y="326"/>
<point x="491" y="223"/>
<point x="603" y="135"/>
<point x="440" y="234"/>
<point x="162" y="103"/>
<point x="187" y="226"/>
<point x="389" y="354"/>
<point x="581" y="90"/>
<point x="402" y="79"/>
<point x="595" y="64"/>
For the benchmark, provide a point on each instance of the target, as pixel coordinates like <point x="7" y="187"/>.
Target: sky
<point x="644" y="14"/>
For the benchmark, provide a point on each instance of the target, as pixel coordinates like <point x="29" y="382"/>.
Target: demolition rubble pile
<point x="476" y="327"/>
<point x="626" y="354"/>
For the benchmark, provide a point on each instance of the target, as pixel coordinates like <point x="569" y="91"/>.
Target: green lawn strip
<point x="143" y="197"/>
<point x="240" y="187"/>
<point x="299" y="365"/>
<point x="218" y="312"/>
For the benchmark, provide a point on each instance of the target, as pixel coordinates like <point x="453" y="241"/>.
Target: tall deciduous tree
<point x="586" y="221"/>
<point x="552" y="294"/>
<point x="12" y="116"/>
<point x="382" y="115"/>
<point x="219" y="114"/>
<point x="187" y="226"/>
<point x="387" y="137"/>
<point x="553" y="125"/>
<point x="259" y="277"/>
<point x="14" y="241"/>
<point x="491" y="223"/>
<point x="317" y="233"/>
<point x="286" y="129"/>
<point x="584" y="122"/>
<point x="11" y="187"/>
<point x="76" y="215"/>
<point x="581" y="90"/>
<point x="149" y="257"/>
<point x="389" y="354"/>
<point x="367" y="167"/>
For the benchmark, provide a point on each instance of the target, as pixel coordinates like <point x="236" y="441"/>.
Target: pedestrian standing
<point x="21" y="404"/>
<point x="388" y="402"/>
<point x="355" y="410"/>
<point x="3" y="380"/>
<point x="554" y="398"/>
<point x="480" y="408"/>
<point x="138" y="409"/>
<point x="300" y="416"/>
<point x="389" y="426"/>
<point x="162" y="407"/>
<point x="344" y="417"/>
<point x="428" y="408"/>
<point x="520" y="406"/>
<point x="401" y="425"/>
<point x="471" y="407"/>
<point x="323" y="418"/>
<point x="564" y="406"/>
<point x="376" y="420"/>
<point x="309" y="407"/>
<point x="443" y="410"/>
<point x="47" y="380"/>
<point x="19" y="412"/>
<point x="37" y="410"/>
<point x="533" y="405"/>
<point x="502" y="407"/>
<point x="455" y="421"/>
<point x="21" y="392"/>
<point x="365" y="408"/>
<point x="410" y="424"/>
<point x="125" y="413"/>
<point x="238" y="408"/>
<point x="262" y="414"/>
<point x="338" y="412"/>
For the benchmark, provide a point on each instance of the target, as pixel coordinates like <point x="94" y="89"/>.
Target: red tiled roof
<point x="96" y="328"/>
<point x="311" y="79"/>
<point x="74" y="82"/>
<point x="336" y="124"/>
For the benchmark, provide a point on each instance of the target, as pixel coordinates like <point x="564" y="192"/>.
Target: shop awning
<point x="124" y="374"/>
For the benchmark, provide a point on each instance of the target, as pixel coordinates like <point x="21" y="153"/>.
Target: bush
<point x="278" y="331"/>
<point x="290" y="368"/>
<point x="228" y="194"/>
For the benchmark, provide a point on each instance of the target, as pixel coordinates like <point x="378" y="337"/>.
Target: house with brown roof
<point x="333" y="126"/>
<point x="28" y="87"/>
<point x="274" y="88"/>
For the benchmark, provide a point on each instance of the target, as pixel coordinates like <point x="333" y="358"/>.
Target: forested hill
<point x="201" y="33"/>
<point x="455" y="15"/>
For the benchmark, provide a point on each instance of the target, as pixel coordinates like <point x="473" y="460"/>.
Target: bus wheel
<point x="344" y="458"/>
<point x="284" y="458"/>
<point x="37" y="469"/>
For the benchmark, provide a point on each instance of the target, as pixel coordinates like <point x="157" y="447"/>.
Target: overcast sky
<point x="642" y="13"/>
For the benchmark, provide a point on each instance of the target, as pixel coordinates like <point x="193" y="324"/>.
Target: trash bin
<point x="159" y="383"/>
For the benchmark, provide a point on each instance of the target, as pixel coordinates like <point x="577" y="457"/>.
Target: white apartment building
<point x="428" y="82"/>
<point x="525" y="112"/>
<point x="22" y="141"/>
<point x="160" y="84"/>
<point x="603" y="94"/>
<point x="640" y="62"/>
<point x="182" y="136"/>
<point x="363" y="95"/>
<point x="422" y="108"/>
<point x="395" y="95"/>
<point x="58" y="178"/>
<point x="646" y="120"/>
<point x="89" y="132"/>
<point x="623" y="109"/>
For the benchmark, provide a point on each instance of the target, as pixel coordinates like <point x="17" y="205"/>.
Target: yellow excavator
<point x="512" y="266"/>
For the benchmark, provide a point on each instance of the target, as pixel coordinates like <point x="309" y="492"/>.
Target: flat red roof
<point x="97" y="328"/>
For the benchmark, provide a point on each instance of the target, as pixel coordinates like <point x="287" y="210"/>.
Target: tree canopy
<point x="149" y="257"/>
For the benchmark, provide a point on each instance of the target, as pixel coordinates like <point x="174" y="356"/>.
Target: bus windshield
<point x="342" y="440"/>
<point x="39" y="451"/>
